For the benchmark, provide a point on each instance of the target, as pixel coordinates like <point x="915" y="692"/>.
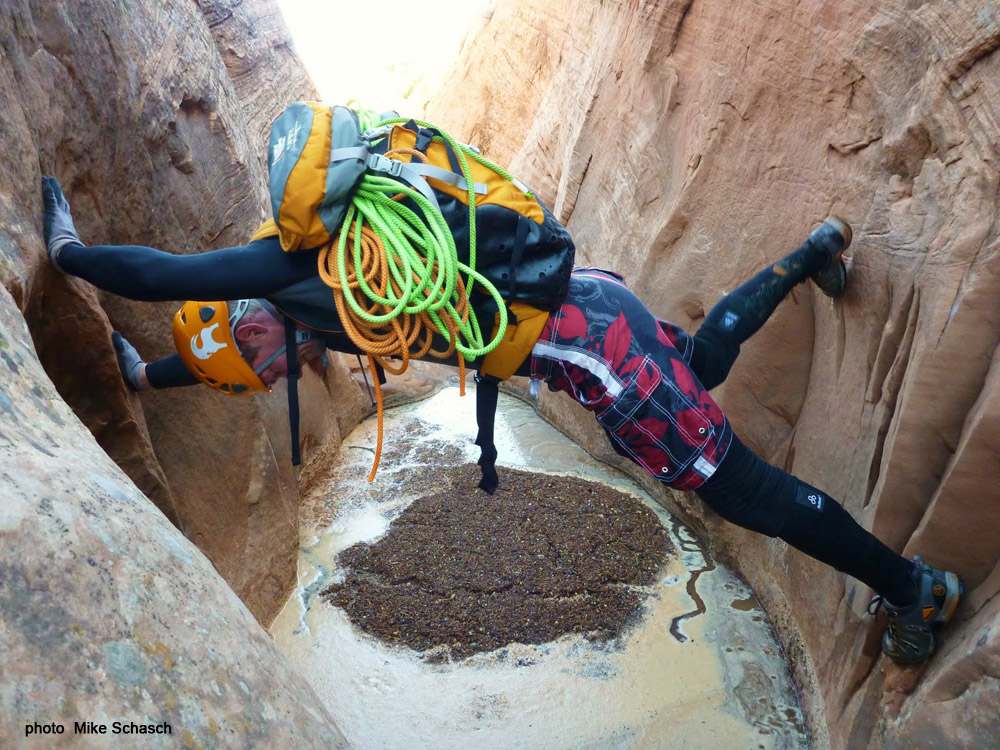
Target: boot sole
<point x="843" y="228"/>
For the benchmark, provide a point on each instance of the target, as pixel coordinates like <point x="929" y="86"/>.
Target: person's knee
<point x="745" y="508"/>
<point x="713" y="356"/>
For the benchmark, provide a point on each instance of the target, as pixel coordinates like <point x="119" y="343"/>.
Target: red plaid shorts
<point x="609" y="352"/>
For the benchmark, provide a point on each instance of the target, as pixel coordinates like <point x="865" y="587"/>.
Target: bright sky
<point x="387" y="54"/>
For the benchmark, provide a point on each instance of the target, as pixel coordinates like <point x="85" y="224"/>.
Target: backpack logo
<point x="285" y="142"/>
<point x="203" y="345"/>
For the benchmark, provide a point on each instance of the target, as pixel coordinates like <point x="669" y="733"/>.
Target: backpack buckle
<point x="378" y="133"/>
<point x="380" y="163"/>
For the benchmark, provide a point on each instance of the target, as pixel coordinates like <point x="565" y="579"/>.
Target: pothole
<point x="461" y="572"/>
<point x="567" y="610"/>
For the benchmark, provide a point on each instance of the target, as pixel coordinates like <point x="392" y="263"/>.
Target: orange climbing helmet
<point x="203" y="335"/>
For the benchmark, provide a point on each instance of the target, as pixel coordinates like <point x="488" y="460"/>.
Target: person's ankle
<point x="907" y="594"/>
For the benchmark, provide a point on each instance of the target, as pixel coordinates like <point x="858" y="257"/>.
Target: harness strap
<point x="406" y="172"/>
<point x="444" y="175"/>
<point x="348" y="152"/>
<point x="487" y="393"/>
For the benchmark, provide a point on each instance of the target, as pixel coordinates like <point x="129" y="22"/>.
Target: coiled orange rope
<point x="393" y="343"/>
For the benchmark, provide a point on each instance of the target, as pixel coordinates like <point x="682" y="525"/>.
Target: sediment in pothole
<point x="461" y="572"/>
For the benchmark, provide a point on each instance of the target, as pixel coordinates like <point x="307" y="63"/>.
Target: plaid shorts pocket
<point x="652" y="422"/>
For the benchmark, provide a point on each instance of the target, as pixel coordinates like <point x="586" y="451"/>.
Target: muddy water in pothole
<point x="699" y="670"/>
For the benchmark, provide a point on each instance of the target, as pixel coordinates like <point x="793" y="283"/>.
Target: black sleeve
<point x="169" y="372"/>
<point x="148" y="275"/>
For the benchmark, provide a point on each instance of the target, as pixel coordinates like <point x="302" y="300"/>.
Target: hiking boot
<point x="59" y="229"/>
<point x="912" y="629"/>
<point x="833" y="236"/>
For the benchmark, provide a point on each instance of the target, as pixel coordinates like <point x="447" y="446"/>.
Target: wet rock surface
<point x="460" y="571"/>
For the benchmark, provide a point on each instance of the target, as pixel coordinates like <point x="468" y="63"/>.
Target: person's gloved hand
<point x="59" y="229"/>
<point x="129" y="362"/>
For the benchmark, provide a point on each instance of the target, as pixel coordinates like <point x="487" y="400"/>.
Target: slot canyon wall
<point x="688" y="144"/>
<point x="155" y="121"/>
<point x="154" y="117"/>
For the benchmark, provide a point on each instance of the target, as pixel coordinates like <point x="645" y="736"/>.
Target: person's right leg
<point x="742" y="312"/>
<point x="751" y="493"/>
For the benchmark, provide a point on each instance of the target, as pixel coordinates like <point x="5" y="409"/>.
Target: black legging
<point x="742" y="312"/>
<point x="751" y="493"/>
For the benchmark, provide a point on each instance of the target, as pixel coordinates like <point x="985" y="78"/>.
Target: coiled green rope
<point x="420" y="251"/>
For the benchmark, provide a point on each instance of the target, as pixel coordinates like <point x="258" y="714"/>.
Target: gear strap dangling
<point x="487" y="393"/>
<point x="292" y="360"/>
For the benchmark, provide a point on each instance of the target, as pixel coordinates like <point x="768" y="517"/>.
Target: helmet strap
<point x="299" y="336"/>
<point x="271" y="309"/>
<point x="267" y="362"/>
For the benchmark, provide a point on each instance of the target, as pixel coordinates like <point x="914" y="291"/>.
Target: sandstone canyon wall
<point x="688" y="144"/>
<point x="107" y="613"/>
<point x="155" y="121"/>
<point x="153" y="117"/>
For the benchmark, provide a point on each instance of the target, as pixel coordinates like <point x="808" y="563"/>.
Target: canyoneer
<point x="391" y="240"/>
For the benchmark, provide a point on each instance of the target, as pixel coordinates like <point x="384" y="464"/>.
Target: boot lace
<point x="877" y="603"/>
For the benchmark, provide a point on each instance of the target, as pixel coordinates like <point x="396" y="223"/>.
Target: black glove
<point x="59" y="229"/>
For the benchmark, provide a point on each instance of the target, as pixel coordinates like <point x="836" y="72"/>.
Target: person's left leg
<point x="149" y="275"/>
<point x="742" y="312"/>
<point x="751" y="493"/>
<point x="755" y="495"/>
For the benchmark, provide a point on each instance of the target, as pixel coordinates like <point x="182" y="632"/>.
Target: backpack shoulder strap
<point x="268" y="229"/>
<point x="291" y="357"/>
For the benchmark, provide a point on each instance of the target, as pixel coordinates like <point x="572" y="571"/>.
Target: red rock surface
<point x="687" y="144"/>
<point x="108" y="613"/>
